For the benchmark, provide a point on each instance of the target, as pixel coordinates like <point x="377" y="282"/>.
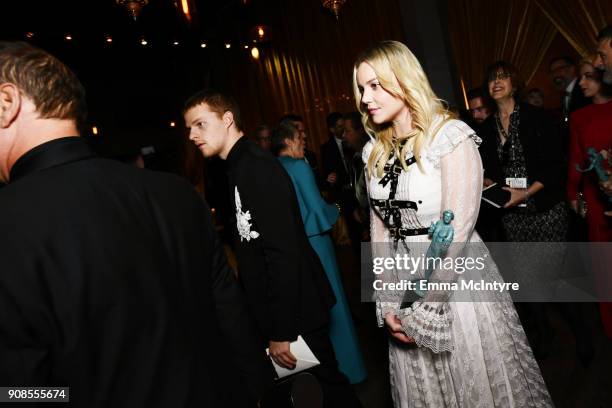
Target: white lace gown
<point x="468" y="354"/>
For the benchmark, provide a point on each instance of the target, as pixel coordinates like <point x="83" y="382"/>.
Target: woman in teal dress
<point x="319" y="218"/>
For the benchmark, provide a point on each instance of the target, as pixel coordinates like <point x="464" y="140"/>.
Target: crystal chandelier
<point x="334" y="6"/>
<point x="133" y="6"/>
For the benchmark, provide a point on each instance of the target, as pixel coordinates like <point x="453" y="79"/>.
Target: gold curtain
<point x="578" y="21"/>
<point x="290" y="84"/>
<point x="307" y="67"/>
<point x="484" y="31"/>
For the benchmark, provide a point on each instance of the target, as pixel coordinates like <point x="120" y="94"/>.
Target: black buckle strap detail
<point x="388" y="204"/>
<point x="390" y="208"/>
<point x="399" y="233"/>
<point x="392" y="172"/>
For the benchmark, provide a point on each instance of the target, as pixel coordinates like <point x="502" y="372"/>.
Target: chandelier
<point x="260" y="34"/>
<point x="334" y="6"/>
<point x="134" y="7"/>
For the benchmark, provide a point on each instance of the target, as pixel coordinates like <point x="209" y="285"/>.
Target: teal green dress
<point x="319" y="218"/>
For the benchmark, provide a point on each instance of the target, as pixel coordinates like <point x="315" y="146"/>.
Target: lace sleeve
<point x="429" y="321"/>
<point x="386" y="301"/>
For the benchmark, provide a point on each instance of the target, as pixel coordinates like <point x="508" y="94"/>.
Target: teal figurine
<point x="319" y="217"/>
<point x="442" y="234"/>
<point x="596" y="161"/>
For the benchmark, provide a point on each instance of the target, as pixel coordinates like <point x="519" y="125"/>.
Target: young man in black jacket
<point x="283" y="279"/>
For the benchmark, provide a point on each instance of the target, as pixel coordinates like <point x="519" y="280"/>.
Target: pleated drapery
<point x="307" y="68"/>
<point x="578" y="21"/>
<point x="484" y="31"/>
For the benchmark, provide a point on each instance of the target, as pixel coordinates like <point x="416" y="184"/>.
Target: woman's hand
<point x="606" y="186"/>
<point x="394" y="325"/>
<point x="574" y="205"/>
<point x="517" y="196"/>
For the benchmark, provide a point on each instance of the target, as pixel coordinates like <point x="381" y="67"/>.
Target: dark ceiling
<point x="135" y="91"/>
<point x="159" y="20"/>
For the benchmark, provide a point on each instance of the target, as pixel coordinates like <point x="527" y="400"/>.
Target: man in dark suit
<point x="564" y="76"/>
<point x="335" y="167"/>
<point x="604" y="53"/>
<point x="113" y="281"/>
<point x="284" y="281"/>
<point x="336" y="156"/>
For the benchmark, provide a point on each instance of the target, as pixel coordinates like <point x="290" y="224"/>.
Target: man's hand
<point x="394" y="325"/>
<point x="280" y="351"/>
<point x="517" y="196"/>
<point x="487" y="182"/>
<point x="332" y="177"/>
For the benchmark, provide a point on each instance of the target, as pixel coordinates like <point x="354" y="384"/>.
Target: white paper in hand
<point x="303" y="354"/>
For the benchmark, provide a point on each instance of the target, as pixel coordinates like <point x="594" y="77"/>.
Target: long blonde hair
<point x="400" y="74"/>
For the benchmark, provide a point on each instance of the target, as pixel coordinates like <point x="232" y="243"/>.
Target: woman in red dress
<point x="591" y="126"/>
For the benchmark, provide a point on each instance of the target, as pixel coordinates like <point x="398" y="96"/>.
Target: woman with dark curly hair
<point x="520" y="150"/>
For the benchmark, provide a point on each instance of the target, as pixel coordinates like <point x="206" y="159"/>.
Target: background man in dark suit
<point x="564" y="76"/>
<point x="336" y="156"/>
<point x="113" y="282"/>
<point x="335" y="168"/>
<point x="286" y="286"/>
<point x="604" y="53"/>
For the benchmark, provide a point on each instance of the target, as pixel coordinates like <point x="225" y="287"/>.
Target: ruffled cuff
<point x="320" y="219"/>
<point x="429" y="324"/>
<point x="382" y="308"/>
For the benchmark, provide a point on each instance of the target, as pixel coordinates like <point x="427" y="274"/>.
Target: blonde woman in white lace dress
<point x="442" y="353"/>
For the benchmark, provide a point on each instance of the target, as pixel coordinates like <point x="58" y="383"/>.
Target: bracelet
<point x="526" y="194"/>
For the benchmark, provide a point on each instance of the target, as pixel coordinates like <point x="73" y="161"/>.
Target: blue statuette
<point x="596" y="161"/>
<point x="442" y="234"/>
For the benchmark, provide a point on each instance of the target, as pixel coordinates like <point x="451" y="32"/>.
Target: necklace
<point x="500" y="127"/>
